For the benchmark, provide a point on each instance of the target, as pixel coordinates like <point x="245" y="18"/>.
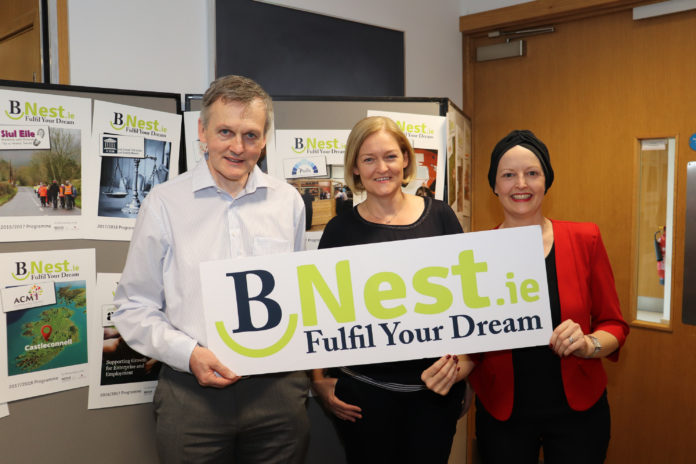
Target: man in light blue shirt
<point x="223" y="208"/>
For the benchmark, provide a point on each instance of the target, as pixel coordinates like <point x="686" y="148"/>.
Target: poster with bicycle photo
<point x="133" y="150"/>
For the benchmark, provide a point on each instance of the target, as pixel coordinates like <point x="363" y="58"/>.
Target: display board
<point x="55" y="420"/>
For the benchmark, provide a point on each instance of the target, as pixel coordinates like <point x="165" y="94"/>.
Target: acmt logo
<point x="120" y="122"/>
<point x="273" y="310"/>
<point x="33" y="109"/>
<point x="33" y="294"/>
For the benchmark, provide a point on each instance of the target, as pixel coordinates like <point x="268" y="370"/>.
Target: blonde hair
<point x="361" y="131"/>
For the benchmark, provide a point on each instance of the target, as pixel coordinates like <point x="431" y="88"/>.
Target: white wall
<point x="157" y="45"/>
<point x="166" y="45"/>
<point x="477" y="6"/>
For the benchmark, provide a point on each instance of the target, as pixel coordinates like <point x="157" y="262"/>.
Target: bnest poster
<point x="44" y="321"/>
<point x="118" y="375"/>
<point x="428" y="138"/>
<point x="312" y="162"/>
<point x="42" y="144"/>
<point x="133" y="150"/>
<point x="195" y="150"/>
<point x="459" y="166"/>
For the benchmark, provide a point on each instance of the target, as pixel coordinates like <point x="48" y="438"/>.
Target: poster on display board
<point x="459" y="166"/>
<point x="312" y="162"/>
<point x="195" y="149"/>
<point x="390" y="301"/>
<point x="133" y="149"/>
<point x="4" y="410"/>
<point x="43" y="144"/>
<point x="118" y="375"/>
<point x="44" y="321"/>
<point x="428" y="137"/>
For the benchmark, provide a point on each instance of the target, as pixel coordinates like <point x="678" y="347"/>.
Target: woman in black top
<point x="396" y="411"/>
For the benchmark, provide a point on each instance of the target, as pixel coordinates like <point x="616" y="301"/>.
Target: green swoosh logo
<point x="19" y="278"/>
<point x="258" y="352"/>
<point x="12" y="117"/>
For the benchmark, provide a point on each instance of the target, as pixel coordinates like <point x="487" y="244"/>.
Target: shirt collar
<point x="202" y="179"/>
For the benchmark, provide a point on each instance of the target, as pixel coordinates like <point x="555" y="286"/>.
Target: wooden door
<point x="590" y="90"/>
<point x="20" y="41"/>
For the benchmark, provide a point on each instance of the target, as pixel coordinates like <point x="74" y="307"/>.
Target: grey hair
<point x="236" y="89"/>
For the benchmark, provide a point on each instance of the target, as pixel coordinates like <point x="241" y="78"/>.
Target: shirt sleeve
<point x="300" y="223"/>
<point x="141" y="315"/>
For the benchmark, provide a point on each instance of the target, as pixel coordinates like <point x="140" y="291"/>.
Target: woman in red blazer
<point x="552" y="397"/>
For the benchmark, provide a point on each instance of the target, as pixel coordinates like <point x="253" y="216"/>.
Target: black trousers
<point x="568" y="437"/>
<point x="396" y="427"/>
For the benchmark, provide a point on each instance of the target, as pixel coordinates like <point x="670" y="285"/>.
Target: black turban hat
<point x="529" y="141"/>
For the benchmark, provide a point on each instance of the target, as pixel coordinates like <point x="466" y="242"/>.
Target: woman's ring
<point x="570" y="339"/>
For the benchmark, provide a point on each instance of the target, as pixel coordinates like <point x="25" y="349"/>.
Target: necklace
<point x="385" y="219"/>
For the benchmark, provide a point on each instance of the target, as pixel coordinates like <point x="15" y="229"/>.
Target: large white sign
<point x="389" y="301"/>
<point x="46" y="344"/>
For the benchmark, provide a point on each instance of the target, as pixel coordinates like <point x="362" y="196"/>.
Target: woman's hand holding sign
<point x="445" y="372"/>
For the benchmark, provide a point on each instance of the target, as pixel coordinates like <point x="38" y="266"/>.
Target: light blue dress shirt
<point x="182" y="223"/>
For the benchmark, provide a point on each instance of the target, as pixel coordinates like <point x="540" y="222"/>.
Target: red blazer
<point x="588" y="296"/>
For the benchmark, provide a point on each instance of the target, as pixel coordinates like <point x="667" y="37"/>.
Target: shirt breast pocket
<point x="271" y="246"/>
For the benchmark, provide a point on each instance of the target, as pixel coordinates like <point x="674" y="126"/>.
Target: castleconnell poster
<point x="43" y="324"/>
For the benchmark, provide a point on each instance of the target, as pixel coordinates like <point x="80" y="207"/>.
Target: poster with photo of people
<point x="43" y="141"/>
<point x="133" y="150"/>
<point x="312" y="162"/>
